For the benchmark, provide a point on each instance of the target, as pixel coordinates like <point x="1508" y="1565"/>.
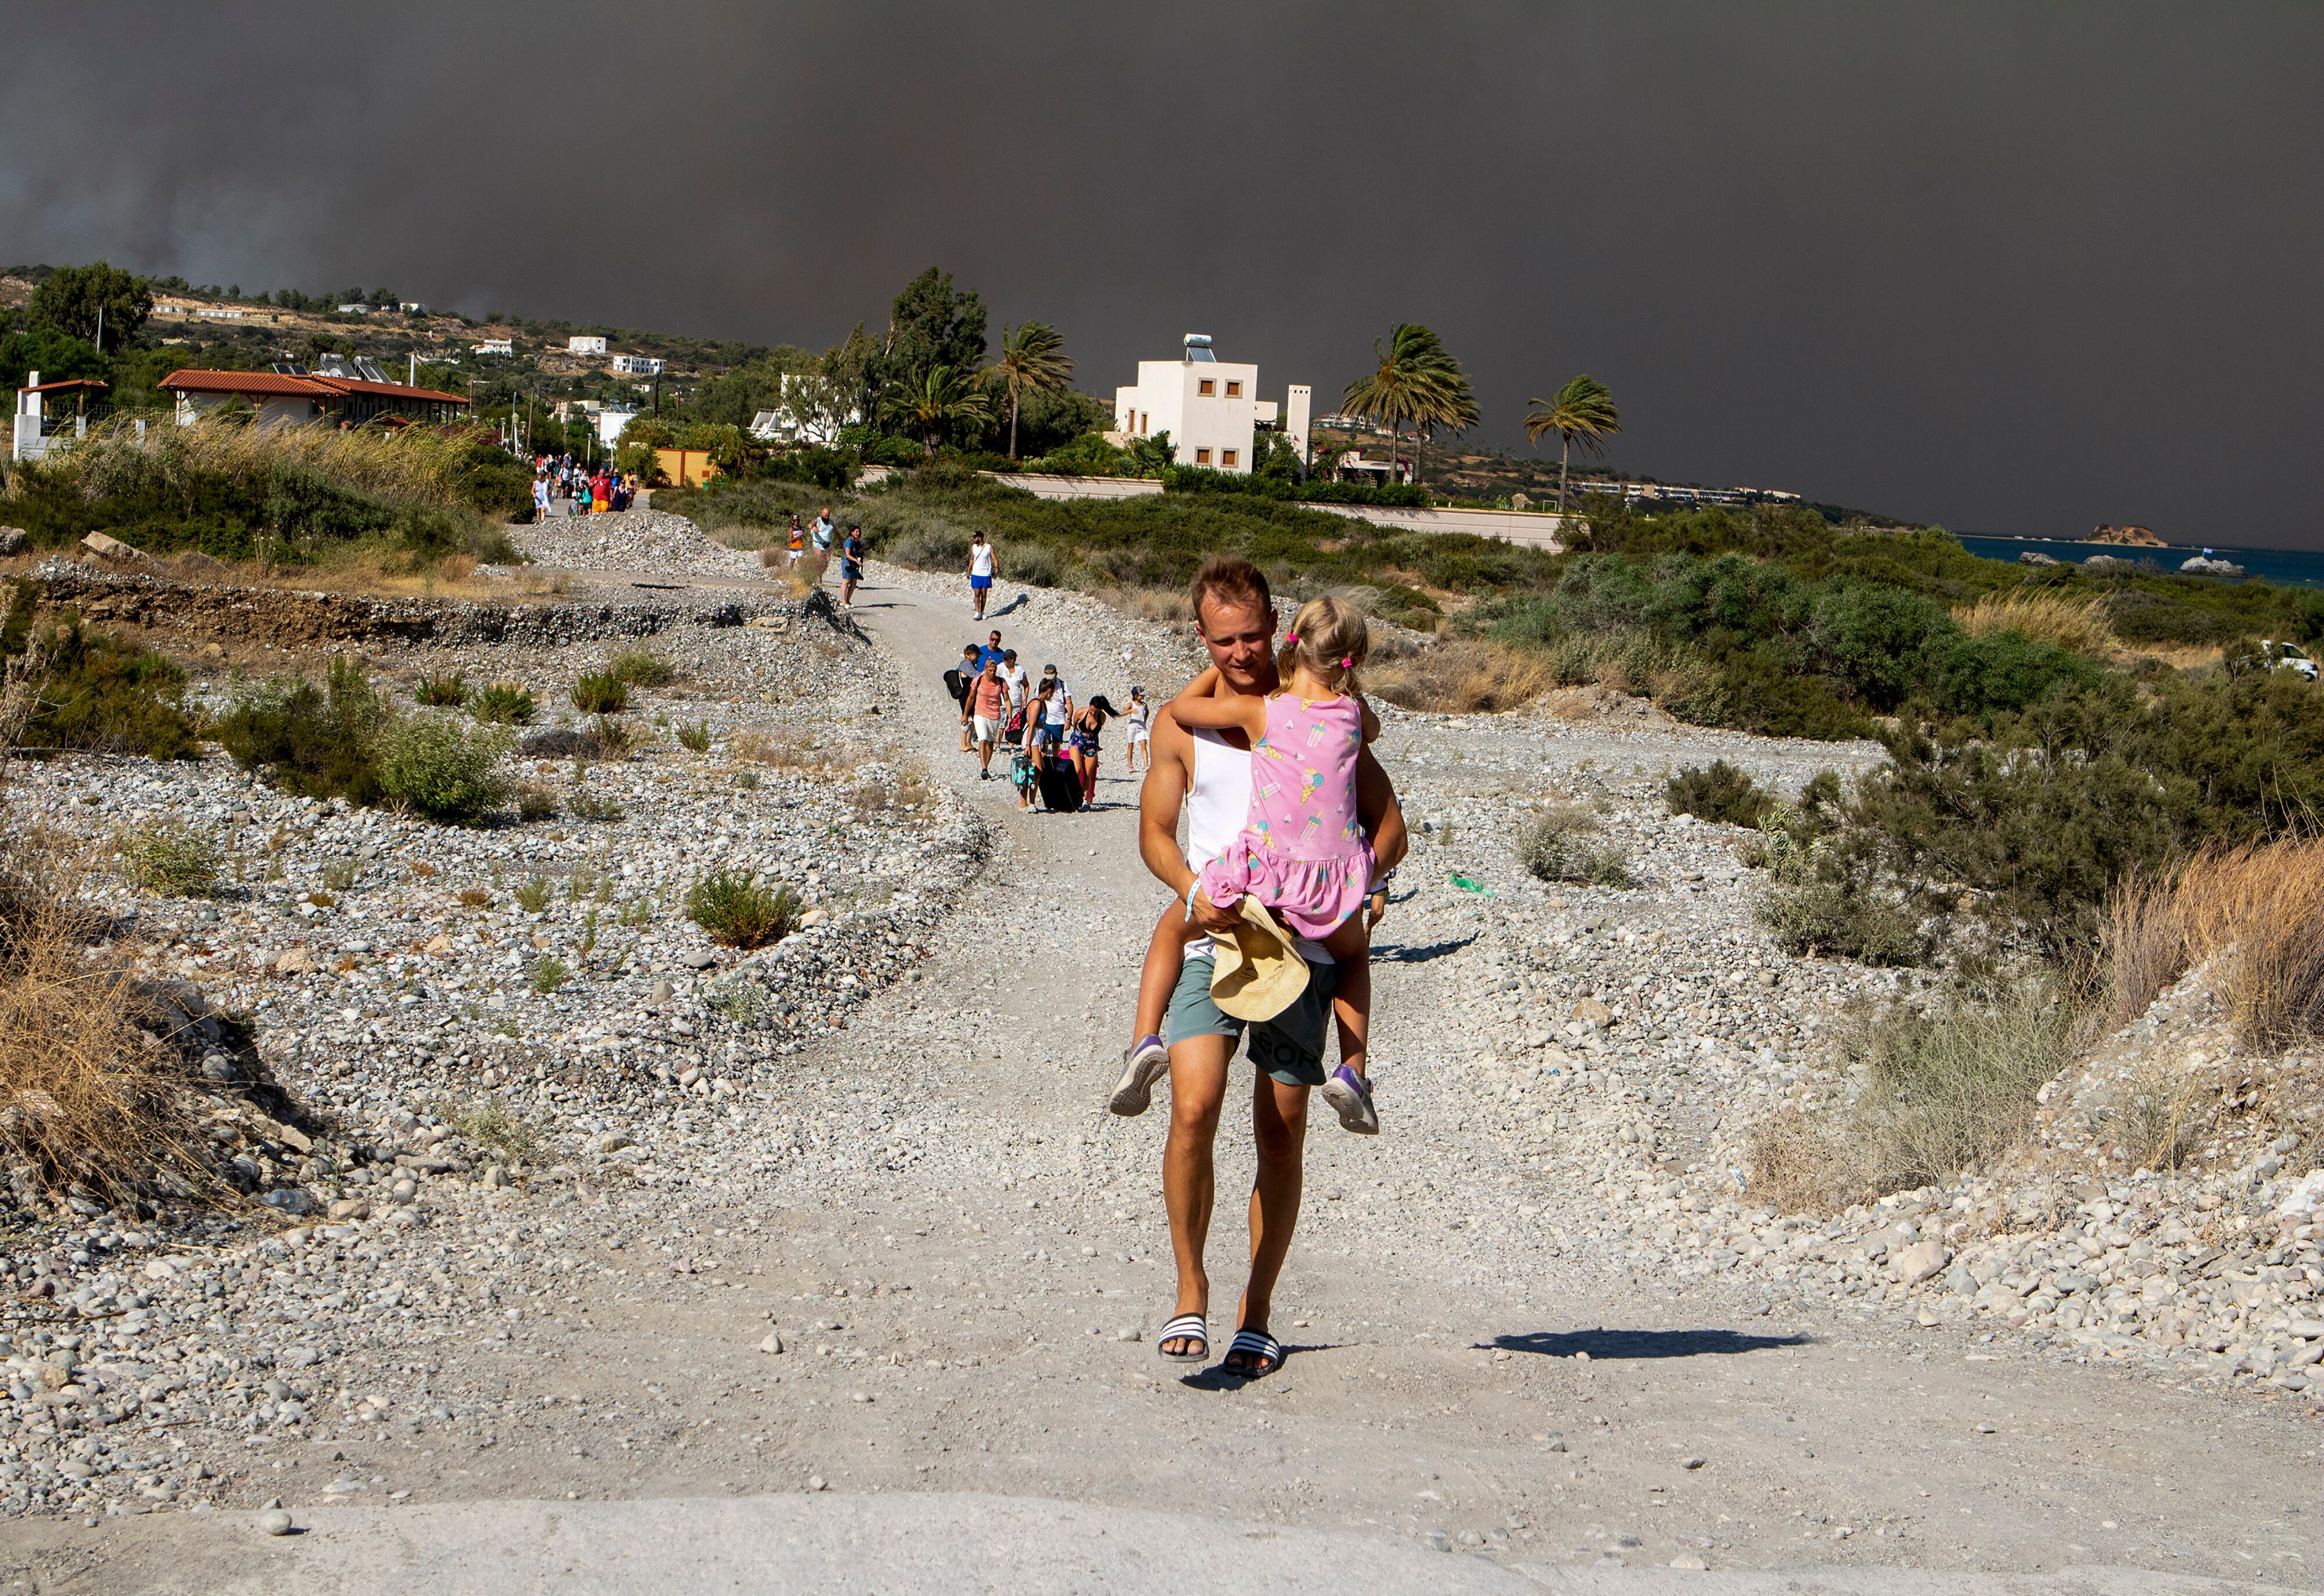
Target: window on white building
<point x="1234" y="389"/>
<point x="1227" y="457"/>
<point x="1201" y="456"/>
<point x="1206" y="387"/>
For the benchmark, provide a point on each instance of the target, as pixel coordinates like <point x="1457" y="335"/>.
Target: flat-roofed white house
<point x="637" y="366"/>
<point x="580" y="344"/>
<point x="1209" y="407"/>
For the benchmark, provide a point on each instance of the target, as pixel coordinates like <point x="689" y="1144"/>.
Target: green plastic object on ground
<point x="1466" y="885"/>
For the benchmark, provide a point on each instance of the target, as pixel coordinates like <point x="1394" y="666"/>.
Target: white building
<point x="637" y="366"/>
<point x="610" y="423"/>
<point x="1210" y="408"/>
<point x="493" y="347"/>
<point x="579" y="345"/>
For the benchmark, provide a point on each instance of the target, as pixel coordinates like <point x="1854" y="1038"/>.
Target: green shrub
<point x="448" y="691"/>
<point x="173" y="860"/>
<point x="588" y="805"/>
<point x="549" y="973"/>
<point x="1841" y="919"/>
<point x="1556" y="848"/>
<point x="1717" y="792"/>
<point x="601" y="692"/>
<point x="443" y="768"/>
<point x="532" y="897"/>
<point x="96" y="692"/>
<point x="535" y="801"/>
<point x="504" y="704"/>
<point x="640" y="666"/>
<point x="318" y="742"/>
<point x="694" y="736"/>
<point x="739" y="912"/>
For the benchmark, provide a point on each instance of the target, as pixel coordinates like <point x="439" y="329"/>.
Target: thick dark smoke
<point x="2012" y="268"/>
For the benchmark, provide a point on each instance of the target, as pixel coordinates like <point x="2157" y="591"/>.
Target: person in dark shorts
<point x="850" y="565"/>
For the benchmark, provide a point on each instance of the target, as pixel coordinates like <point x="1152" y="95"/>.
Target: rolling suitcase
<point x="1061" y="790"/>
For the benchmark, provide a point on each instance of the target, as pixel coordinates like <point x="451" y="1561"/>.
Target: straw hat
<point x="1258" y="973"/>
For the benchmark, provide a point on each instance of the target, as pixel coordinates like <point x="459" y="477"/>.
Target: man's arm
<point x="1159" y="801"/>
<point x="1382" y="816"/>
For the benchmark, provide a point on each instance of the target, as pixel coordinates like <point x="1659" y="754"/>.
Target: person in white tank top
<point x="1206" y="779"/>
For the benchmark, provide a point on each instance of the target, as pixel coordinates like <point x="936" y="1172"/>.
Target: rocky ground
<point x="903" y="1248"/>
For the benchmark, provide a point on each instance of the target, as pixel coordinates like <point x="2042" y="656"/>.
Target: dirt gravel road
<point x="974" y="1311"/>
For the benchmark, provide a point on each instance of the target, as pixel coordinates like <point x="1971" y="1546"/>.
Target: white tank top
<point x="979" y="558"/>
<point x="1218" y="804"/>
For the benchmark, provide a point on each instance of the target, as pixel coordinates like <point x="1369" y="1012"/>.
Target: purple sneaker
<point x="1141" y="1066"/>
<point x="1350" y="1096"/>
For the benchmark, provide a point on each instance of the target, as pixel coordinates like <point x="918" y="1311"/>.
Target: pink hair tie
<point x="1290" y="637"/>
<point x="1346" y="663"/>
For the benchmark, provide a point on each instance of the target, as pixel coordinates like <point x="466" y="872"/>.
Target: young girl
<point x="1140" y="752"/>
<point x="1301" y="852"/>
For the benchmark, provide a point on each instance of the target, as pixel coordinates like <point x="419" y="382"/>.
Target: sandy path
<point x="959" y="1318"/>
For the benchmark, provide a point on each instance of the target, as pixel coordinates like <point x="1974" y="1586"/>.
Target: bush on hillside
<point x="1558" y="847"/>
<point x="1719" y="792"/>
<point x="317" y="742"/>
<point x="504" y="704"/>
<point x="740" y="912"/>
<point x="95" y="691"/>
<point x="2037" y="820"/>
<point x="292" y="493"/>
<point x="601" y="692"/>
<point x="639" y="666"/>
<point x="442" y="768"/>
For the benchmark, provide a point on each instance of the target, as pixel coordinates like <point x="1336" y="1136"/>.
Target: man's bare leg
<point x="1198" y="1084"/>
<point x="1279" y="1118"/>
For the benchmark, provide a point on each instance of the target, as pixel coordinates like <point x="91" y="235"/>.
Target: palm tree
<point x="945" y="399"/>
<point x="1033" y="360"/>
<point x="1582" y="408"/>
<point x="1448" y="401"/>
<point x="1400" y="389"/>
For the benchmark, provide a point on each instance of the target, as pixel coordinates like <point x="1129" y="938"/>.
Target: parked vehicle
<point x="2289" y="657"/>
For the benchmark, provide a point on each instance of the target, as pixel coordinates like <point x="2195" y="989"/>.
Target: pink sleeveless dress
<point x="1301" y="852"/>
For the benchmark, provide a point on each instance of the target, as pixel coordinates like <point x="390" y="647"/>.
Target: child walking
<point x="1301" y="852"/>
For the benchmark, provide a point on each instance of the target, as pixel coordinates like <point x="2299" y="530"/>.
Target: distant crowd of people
<point x="1052" y="743"/>
<point x="585" y="491"/>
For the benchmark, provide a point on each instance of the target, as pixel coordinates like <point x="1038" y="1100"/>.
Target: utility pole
<point x="100" y="328"/>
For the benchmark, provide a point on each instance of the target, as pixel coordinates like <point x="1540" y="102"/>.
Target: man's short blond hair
<point x="1230" y="577"/>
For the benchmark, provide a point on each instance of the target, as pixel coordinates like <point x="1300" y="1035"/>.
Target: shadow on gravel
<point x="1217" y="1377"/>
<point x="1399" y="953"/>
<point x="1642" y="1344"/>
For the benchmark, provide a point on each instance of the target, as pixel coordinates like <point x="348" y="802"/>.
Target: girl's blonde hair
<point x="1328" y="637"/>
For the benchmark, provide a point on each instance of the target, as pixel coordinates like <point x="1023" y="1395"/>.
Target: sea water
<point x="2288" y="568"/>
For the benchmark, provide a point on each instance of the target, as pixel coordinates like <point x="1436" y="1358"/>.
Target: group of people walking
<point x="1049" y="742"/>
<point x="585" y="492"/>
<point x="823" y="537"/>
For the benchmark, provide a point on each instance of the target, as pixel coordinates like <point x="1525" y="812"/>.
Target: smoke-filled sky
<point x="2011" y="268"/>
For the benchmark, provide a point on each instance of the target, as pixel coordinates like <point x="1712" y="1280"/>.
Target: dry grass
<point x="364" y="569"/>
<point x="2177" y="656"/>
<point x="89" y="1097"/>
<point x="2076" y="624"/>
<point x="1938" y="1093"/>
<point x="784" y="751"/>
<point x="2259" y="910"/>
<point x="1458" y="678"/>
<point x="415" y="465"/>
<point x="1169" y="605"/>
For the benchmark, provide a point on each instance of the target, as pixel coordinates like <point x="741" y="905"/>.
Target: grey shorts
<point x="1289" y="1047"/>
